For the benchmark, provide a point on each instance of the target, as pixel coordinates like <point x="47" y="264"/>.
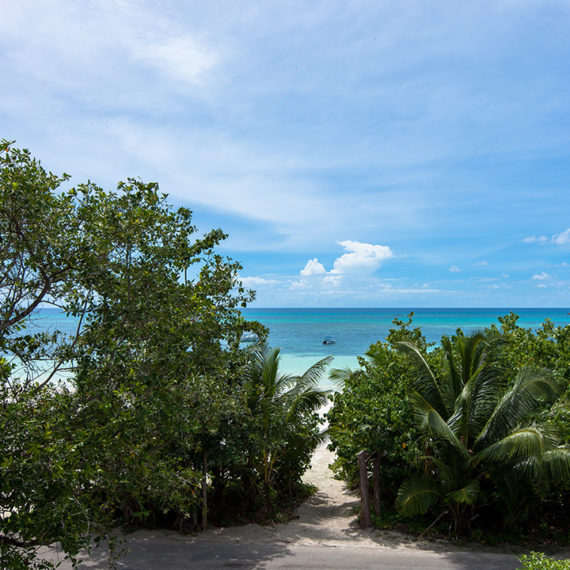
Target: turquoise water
<point x="299" y="333"/>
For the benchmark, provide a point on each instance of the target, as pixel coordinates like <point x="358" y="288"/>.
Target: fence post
<point x="376" y="479"/>
<point x="365" y="517"/>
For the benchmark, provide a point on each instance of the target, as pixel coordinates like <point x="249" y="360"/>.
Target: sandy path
<point x="326" y="517"/>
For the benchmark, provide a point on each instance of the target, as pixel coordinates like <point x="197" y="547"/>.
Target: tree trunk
<point x="376" y="475"/>
<point x="205" y="492"/>
<point x="365" y="517"/>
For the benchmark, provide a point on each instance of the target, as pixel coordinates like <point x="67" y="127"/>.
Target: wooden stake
<point x="365" y="516"/>
<point x="376" y="479"/>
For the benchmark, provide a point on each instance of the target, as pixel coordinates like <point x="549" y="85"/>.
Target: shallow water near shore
<point x="299" y="333"/>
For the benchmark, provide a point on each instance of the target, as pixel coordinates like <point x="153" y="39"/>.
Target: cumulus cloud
<point x="562" y="238"/>
<point x="541" y="276"/>
<point x="454" y="269"/>
<point x="482" y="263"/>
<point x="313" y="267"/>
<point x="357" y="264"/>
<point x="361" y="257"/>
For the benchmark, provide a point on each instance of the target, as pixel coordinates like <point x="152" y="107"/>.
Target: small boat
<point x="329" y="340"/>
<point x="248" y="337"/>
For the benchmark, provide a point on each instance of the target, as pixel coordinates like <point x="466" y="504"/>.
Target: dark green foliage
<point x="373" y="413"/>
<point x="490" y="417"/>
<point x="161" y="419"/>
<point x="285" y="430"/>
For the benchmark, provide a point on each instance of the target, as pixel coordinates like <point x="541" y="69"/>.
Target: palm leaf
<point x="426" y="383"/>
<point x="305" y="395"/>
<point x="466" y="495"/>
<point x="552" y="466"/>
<point x="447" y="474"/>
<point x="532" y="389"/>
<point x="418" y="495"/>
<point x="339" y="376"/>
<point x="430" y="422"/>
<point x="527" y="442"/>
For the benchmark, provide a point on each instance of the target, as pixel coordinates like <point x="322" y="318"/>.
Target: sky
<point x="358" y="154"/>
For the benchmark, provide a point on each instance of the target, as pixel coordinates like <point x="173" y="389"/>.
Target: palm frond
<point x="526" y="442"/>
<point x="418" y="495"/>
<point x="467" y="494"/>
<point x="312" y="376"/>
<point x="309" y="400"/>
<point x="426" y="383"/>
<point x="339" y="376"/>
<point x="304" y="394"/>
<point x="532" y="389"/>
<point x="447" y="473"/>
<point x="430" y="422"/>
<point x="552" y="466"/>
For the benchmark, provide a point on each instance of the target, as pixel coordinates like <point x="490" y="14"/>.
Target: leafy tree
<point x="154" y="360"/>
<point x="372" y="412"/>
<point x="284" y="407"/>
<point x="472" y="429"/>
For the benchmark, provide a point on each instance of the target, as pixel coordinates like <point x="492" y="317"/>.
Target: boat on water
<point x="329" y="340"/>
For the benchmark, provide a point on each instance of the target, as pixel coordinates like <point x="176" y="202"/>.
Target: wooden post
<point x="365" y="517"/>
<point x="376" y="479"/>
<point x="205" y="492"/>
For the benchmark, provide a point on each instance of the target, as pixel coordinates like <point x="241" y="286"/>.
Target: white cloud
<point x="256" y="281"/>
<point x="541" y="285"/>
<point x="361" y="258"/>
<point x="541" y="276"/>
<point x="181" y="58"/>
<point x="454" y="269"/>
<point x="482" y="263"/>
<point x="354" y="267"/>
<point x="561" y="238"/>
<point x="313" y="267"/>
<point x="536" y="239"/>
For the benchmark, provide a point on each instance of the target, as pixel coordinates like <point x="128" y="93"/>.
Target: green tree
<point x="474" y="429"/>
<point x="284" y="407"/>
<point x="154" y="360"/>
<point x="372" y="411"/>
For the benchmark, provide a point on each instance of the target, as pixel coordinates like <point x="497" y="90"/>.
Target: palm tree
<point x="280" y="402"/>
<point x="475" y="429"/>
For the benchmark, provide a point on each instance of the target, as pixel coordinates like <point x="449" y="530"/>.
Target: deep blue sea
<point x="299" y="333"/>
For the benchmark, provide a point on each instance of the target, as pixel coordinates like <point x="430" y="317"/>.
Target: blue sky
<point x="371" y="154"/>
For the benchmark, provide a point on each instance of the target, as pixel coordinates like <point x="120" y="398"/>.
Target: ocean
<point x="299" y="333"/>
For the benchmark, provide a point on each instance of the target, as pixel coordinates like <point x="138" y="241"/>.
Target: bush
<point x="539" y="561"/>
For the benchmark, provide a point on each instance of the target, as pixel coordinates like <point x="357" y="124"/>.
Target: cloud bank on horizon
<point x="358" y="154"/>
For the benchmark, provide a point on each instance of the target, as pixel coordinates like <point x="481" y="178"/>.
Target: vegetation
<point x="153" y="414"/>
<point x="539" y="561"/>
<point x="162" y="417"/>
<point x="484" y="433"/>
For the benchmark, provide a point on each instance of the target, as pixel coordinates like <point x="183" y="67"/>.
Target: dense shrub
<point x="158" y="421"/>
<point x="481" y="420"/>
